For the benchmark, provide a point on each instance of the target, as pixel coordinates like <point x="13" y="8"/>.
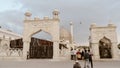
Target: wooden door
<point x="41" y="49"/>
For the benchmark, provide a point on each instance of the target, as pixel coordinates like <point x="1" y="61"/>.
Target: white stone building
<point x="5" y="51"/>
<point x="49" y="25"/>
<point x="103" y="42"/>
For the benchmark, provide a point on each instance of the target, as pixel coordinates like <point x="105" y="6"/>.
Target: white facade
<point x="97" y="33"/>
<point x="49" y="25"/>
<point x="5" y="51"/>
<point x="31" y="27"/>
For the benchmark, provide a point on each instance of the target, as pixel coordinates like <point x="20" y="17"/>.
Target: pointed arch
<point x="105" y="48"/>
<point x="40" y="30"/>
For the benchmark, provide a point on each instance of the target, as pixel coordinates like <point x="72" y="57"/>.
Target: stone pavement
<point x="38" y="63"/>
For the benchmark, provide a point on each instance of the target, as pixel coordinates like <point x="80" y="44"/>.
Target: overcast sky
<point x="85" y="11"/>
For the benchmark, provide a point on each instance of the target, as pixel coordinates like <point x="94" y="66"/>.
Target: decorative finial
<point x="111" y="24"/>
<point x="93" y="24"/>
<point x="28" y="14"/>
<point x="71" y="23"/>
<point x="56" y="12"/>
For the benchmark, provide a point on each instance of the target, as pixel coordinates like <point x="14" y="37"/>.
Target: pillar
<point x="71" y="30"/>
<point x="26" y="46"/>
<point x="115" y="52"/>
<point x="95" y="51"/>
<point x="55" y="49"/>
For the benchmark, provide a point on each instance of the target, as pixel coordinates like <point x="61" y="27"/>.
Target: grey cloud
<point x="12" y="20"/>
<point x="85" y="11"/>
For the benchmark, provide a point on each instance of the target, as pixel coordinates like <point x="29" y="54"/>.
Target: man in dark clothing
<point x="82" y="55"/>
<point x="86" y="58"/>
<point x="90" y="58"/>
<point x="76" y="65"/>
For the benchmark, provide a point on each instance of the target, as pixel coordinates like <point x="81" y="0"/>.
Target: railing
<point x="12" y="52"/>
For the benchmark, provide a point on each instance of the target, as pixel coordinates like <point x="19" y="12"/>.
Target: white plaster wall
<point x="5" y="37"/>
<point x="97" y="33"/>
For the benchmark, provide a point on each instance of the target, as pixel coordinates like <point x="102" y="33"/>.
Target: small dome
<point x="56" y="12"/>
<point x="65" y="34"/>
<point x="71" y="23"/>
<point x="111" y="24"/>
<point x="93" y="24"/>
<point x="28" y="14"/>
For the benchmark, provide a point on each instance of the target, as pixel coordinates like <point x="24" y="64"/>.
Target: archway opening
<point x="105" y="48"/>
<point x="41" y="46"/>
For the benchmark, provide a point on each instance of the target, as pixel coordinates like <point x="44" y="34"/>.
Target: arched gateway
<point x="33" y="26"/>
<point x="103" y="42"/>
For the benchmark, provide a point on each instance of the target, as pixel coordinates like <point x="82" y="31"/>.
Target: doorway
<point x="41" y="46"/>
<point x="105" y="48"/>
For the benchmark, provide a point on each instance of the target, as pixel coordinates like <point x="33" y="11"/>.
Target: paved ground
<point x="55" y="64"/>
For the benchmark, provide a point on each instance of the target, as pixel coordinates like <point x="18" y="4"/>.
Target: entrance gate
<point x="103" y="41"/>
<point x="33" y="26"/>
<point x="40" y="49"/>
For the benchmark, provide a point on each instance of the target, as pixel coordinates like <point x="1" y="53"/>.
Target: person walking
<point x="82" y="55"/>
<point x="75" y="57"/>
<point x="72" y="54"/>
<point x="86" y="58"/>
<point x="77" y="65"/>
<point x="90" y="58"/>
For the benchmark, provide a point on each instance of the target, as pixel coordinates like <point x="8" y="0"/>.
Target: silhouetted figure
<point x="76" y="65"/>
<point x="90" y="58"/>
<point x="72" y="54"/>
<point x="82" y="54"/>
<point x="86" y="58"/>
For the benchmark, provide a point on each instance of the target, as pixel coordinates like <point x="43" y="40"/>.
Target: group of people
<point x="85" y="55"/>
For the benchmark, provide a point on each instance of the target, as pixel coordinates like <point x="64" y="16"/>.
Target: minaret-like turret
<point x="71" y="30"/>
<point x="27" y="15"/>
<point x="55" y="14"/>
<point x="111" y="24"/>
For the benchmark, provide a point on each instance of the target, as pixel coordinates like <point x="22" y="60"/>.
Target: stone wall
<point x="97" y="33"/>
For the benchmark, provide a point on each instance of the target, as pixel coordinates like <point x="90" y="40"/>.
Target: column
<point x="114" y="51"/>
<point x="55" y="49"/>
<point x="26" y="46"/>
<point x="95" y="50"/>
<point x="71" y="30"/>
<point x="69" y="51"/>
